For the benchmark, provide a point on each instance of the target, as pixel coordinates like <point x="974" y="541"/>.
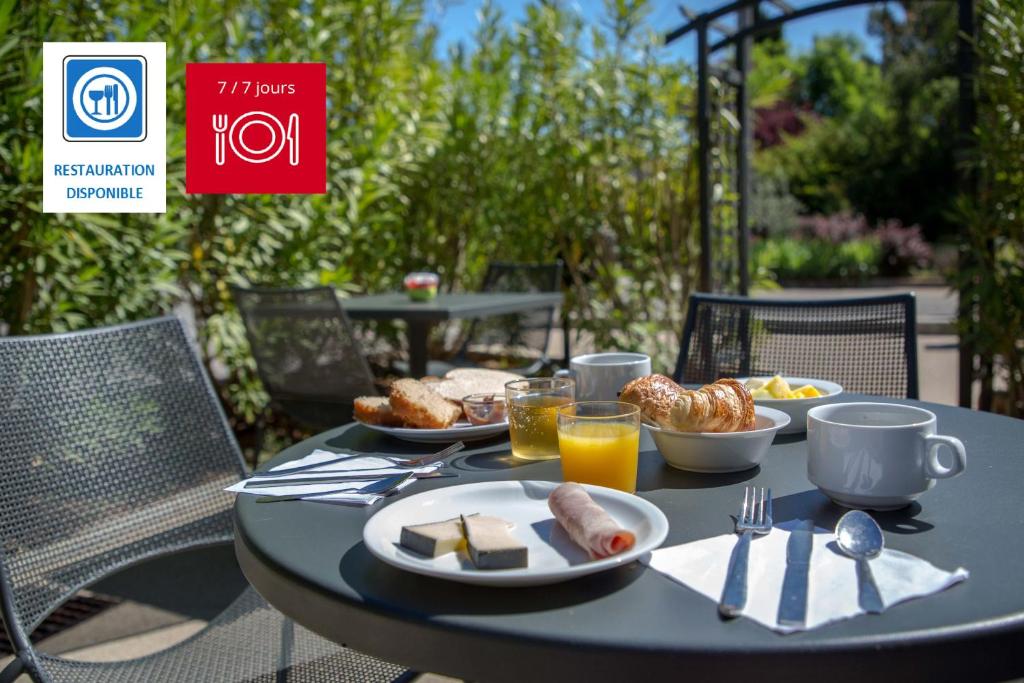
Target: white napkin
<point x="370" y="466"/>
<point x="832" y="587"/>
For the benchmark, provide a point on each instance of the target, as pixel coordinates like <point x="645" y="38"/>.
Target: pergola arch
<point x="749" y="25"/>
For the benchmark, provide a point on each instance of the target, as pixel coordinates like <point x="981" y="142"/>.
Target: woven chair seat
<point x="115" y="451"/>
<point x="250" y="641"/>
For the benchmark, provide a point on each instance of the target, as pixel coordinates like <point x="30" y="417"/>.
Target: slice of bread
<point x="375" y="410"/>
<point x="461" y="382"/>
<point x="418" y="405"/>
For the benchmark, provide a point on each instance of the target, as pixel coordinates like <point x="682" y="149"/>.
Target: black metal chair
<point x="867" y="345"/>
<point x="115" y="450"/>
<point x="526" y="335"/>
<point x="307" y="355"/>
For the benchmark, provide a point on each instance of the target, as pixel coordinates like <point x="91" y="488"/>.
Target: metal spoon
<point x="859" y="536"/>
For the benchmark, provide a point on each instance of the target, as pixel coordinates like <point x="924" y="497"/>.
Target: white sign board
<point x="104" y="127"/>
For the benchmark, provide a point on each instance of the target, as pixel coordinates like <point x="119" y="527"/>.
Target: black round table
<point x="631" y="623"/>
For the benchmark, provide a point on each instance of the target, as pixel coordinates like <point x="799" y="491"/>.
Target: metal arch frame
<point x="748" y="27"/>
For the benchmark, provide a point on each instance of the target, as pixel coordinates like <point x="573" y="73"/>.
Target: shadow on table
<point x="500" y="458"/>
<point x="782" y="439"/>
<point x="422" y="596"/>
<point x="359" y="439"/>
<point x="654" y="474"/>
<point x="814" y="504"/>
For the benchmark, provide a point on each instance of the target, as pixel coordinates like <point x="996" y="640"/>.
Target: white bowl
<point x="720" y="451"/>
<point x="797" y="408"/>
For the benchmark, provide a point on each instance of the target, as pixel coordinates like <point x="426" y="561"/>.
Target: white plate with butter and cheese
<point x="532" y="533"/>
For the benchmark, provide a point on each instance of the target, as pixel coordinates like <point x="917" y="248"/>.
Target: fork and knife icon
<point x="224" y="135"/>
<point x="108" y="94"/>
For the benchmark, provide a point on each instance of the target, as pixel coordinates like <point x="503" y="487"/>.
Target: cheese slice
<point x="433" y="539"/>
<point x="490" y="544"/>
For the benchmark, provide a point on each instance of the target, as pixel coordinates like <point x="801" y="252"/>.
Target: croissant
<point x="725" y="406"/>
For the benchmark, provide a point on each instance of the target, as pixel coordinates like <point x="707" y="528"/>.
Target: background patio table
<point x="631" y="623"/>
<point x="421" y="316"/>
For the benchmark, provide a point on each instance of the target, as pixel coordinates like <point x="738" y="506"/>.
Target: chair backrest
<point x="868" y="345"/>
<point x="530" y="330"/>
<point x="306" y="352"/>
<point x="113" y="448"/>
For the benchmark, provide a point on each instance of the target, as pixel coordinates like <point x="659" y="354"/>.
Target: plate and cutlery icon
<point x="233" y="135"/>
<point x="108" y="93"/>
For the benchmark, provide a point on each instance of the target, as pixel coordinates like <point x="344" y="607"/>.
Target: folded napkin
<point x="832" y="587"/>
<point x="374" y="468"/>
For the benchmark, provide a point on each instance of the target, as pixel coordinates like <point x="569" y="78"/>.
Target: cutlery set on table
<point x="352" y="478"/>
<point x="794" y="576"/>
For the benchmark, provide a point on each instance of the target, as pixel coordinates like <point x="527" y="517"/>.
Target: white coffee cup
<point x="877" y="456"/>
<point x="601" y="376"/>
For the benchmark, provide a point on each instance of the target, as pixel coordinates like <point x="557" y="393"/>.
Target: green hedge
<point x="786" y="258"/>
<point x="549" y="139"/>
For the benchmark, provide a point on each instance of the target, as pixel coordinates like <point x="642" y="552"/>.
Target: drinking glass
<point x="95" y="96"/>
<point x="532" y="413"/>
<point x="600" y="443"/>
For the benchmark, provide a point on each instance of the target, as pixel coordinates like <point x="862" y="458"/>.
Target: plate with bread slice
<point x="716" y="428"/>
<point x="431" y="410"/>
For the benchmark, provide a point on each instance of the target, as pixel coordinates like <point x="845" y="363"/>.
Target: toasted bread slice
<point x="461" y="382"/>
<point x="375" y="410"/>
<point x="416" y="404"/>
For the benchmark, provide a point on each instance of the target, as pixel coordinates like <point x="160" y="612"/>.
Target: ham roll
<point x="586" y="522"/>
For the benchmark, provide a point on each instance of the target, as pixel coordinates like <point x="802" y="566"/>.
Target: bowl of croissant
<point x="716" y="428"/>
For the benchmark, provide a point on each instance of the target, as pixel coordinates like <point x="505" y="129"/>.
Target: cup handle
<point x="565" y="373"/>
<point x="933" y="467"/>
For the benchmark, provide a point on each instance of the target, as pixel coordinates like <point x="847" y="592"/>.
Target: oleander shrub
<point x="992" y="274"/>
<point x="549" y="139"/>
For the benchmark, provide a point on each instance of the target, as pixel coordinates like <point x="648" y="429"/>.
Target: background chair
<point x="525" y="335"/>
<point x="115" y="450"/>
<point x="868" y="345"/>
<point x="307" y="355"/>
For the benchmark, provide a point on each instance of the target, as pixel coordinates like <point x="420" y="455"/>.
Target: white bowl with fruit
<point x="792" y="395"/>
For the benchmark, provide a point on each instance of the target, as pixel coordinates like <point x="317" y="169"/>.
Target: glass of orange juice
<point x="600" y="443"/>
<point x="532" y="414"/>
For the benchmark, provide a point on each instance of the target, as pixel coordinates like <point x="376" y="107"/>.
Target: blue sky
<point x="458" y="21"/>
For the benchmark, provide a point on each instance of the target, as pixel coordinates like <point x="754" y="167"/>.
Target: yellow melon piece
<point x="778" y="387"/>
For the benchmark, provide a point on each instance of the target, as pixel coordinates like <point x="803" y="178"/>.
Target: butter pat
<point x="490" y="544"/>
<point x="434" y="539"/>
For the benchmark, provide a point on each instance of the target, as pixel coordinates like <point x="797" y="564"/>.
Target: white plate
<point x="712" y="452"/>
<point x="460" y="431"/>
<point x="552" y="556"/>
<point x="797" y="408"/>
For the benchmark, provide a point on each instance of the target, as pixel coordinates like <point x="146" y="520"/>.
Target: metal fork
<point x="108" y="92"/>
<point x="220" y="125"/>
<point x="416" y="462"/>
<point x="755" y="518"/>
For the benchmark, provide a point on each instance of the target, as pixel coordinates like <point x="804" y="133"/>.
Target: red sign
<point x="256" y="128"/>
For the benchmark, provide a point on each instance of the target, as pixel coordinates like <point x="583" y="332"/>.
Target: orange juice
<point x="601" y="453"/>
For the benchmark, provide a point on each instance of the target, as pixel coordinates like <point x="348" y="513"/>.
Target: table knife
<point x="293" y="139"/>
<point x="336" y="479"/>
<point x="383" y="487"/>
<point x="793" y="603"/>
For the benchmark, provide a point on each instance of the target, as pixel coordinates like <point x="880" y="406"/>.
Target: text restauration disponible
<point x="104" y="171"/>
